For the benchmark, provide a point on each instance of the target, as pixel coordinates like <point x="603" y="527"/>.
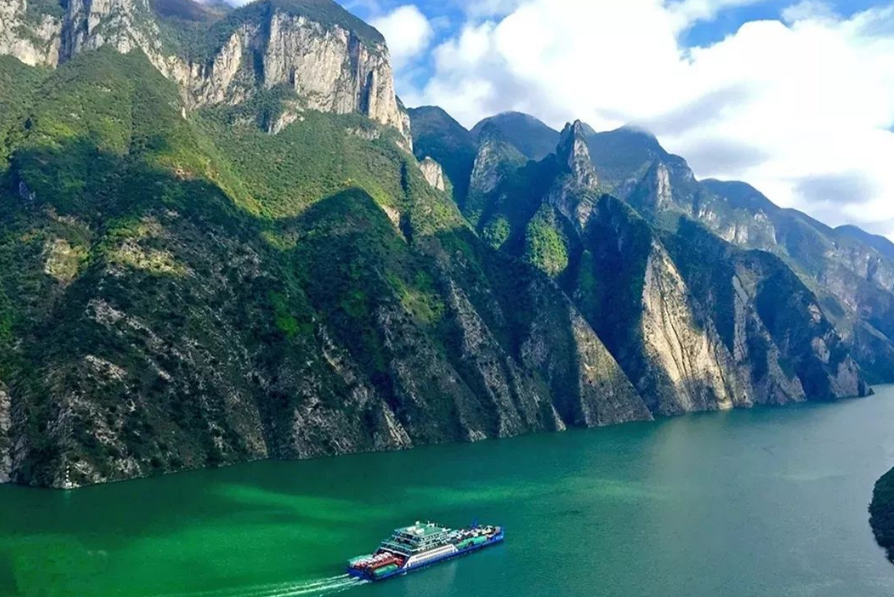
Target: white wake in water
<point x="312" y="588"/>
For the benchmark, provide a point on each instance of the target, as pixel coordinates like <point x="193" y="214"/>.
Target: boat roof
<point x="422" y="530"/>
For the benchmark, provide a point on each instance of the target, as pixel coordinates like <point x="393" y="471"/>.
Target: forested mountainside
<point x="882" y="513"/>
<point x="216" y="246"/>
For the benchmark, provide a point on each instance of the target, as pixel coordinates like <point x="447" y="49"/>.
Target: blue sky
<point x="450" y="15"/>
<point x="793" y="96"/>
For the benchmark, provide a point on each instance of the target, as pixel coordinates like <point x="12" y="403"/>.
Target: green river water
<point x="768" y="502"/>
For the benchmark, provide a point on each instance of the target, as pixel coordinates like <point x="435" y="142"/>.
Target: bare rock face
<point x="602" y="394"/>
<point x="331" y="68"/>
<point x="433" y="173"/>
<point x="574" y="193"/>
<point x="656" y="188"/>
<point x="756" y="353"/>
<point x="691" y="356"/>
<point x="5" y="440"/>
<point x="495" y="161"/>
<point x="575" y="156"/>
<point x="41" y="44"/>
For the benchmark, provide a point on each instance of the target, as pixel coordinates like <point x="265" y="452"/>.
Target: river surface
<point x="768" y="502"/>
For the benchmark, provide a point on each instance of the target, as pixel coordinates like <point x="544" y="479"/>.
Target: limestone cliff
<point x="495" y="160"/>
<point x="574" y="193"/>
<point x="258" y="279"/>
<point x="689" y="354"/>
<point x="31" y="37"/>
<point x="433" y="173"/>
<point x="671" y="349"/>
<point x="155" y="318"/>
<point x="330" y="65"/>
<point x="331" y="68"/>
<point x="5" y="443"/>
<point x="853" y="279"/>
<point x="685" y="315"/>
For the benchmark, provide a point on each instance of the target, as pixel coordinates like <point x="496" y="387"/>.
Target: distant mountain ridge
<point x="880" y="243"/>
<point x="851" y="271"/>
<point x="534" y="139"/>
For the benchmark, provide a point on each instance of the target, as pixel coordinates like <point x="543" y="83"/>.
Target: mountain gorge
<point x="847" y="269"/>
<point x="223" y="238"/>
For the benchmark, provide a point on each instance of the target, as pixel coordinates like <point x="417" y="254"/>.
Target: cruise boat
<point x="420" y="545"/>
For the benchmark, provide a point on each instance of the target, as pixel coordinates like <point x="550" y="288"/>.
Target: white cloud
<point x="783" y="105"/>
<point x="407" y="31"/>
<point x="691" y="11"/>
<point x="809" y="10"/>
<point x="491" y="8"/>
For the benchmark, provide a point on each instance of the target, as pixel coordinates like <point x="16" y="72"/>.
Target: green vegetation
<point x="189" y="10"/>
<point x="882" y="513"/>
<point x="115" y="218"/>
<point x="532" y="138"/>
<point x="608" y="284"/>
<point x="545" y="246"/>
<point x="18" y="83"/>
<point x="317" y="156"/>
<point x="184" y="24"/>
<point x="496" y="232"/>
<point x="222" y="279"/>
<point x="440" y="137"/>
<point x="36" y="10"/>
<point x="181" y="290"/>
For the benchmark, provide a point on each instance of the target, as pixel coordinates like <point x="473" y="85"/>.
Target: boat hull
<point x="363" y="574"/>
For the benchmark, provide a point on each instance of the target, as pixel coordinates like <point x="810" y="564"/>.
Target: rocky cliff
<point x="849" y="270"/>
<point x="181" y="293"/>
<point x="334" y="62"/>
<point x="686" y="320"/>
<point x="433" y="173"/>
<point x="5" y="442"/>
<point x="444" y="140"/>
<point x="214" y="247"/>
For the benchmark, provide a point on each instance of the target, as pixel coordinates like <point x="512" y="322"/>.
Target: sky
<point x="795" y="97"/>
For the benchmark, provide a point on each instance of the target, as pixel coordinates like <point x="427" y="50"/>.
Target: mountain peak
<point x="574" y="154"/>
<point x="634" y="129"/>
<point x="532" y="137"/>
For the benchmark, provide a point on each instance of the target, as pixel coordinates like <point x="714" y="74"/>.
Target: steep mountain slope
<point x="851" y="274"/>
<point x="690" y="336"/>
<point x="215" y="246"/>
<point x="854" y="280"/>
<point x="438" y="136"/>
<point x="181" y="293"/>
<point x="879" y="243"/>
<point x="623" y="156"/>
<point x="332" y="60"/>
<point x="531" y="137"/>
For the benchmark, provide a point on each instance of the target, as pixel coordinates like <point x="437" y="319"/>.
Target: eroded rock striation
<point x="216" y="247"/>
<point x="690" y="323"/>
<point x="269" y="44"/>
<point x="5" y="440"/>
